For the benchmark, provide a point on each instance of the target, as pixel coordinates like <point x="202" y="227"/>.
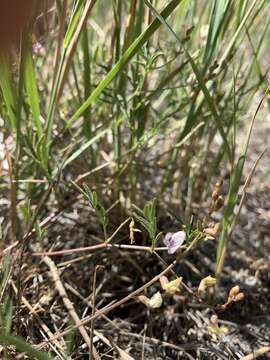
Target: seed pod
<point x="214" y="320"/>
<point x="234" y="291"/>
<point x="213" y="231"/>
<point x="217" y="190"/>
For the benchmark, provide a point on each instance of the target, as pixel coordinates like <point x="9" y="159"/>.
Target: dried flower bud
<point x="219" y="202"/>
<point x="206" y="283"/>
<point x="172" y="287"/>
<point x="239" y="297"/>
<point x="213" y="231"/>
<point x="163" y="281"/>
<point x="154" y="302"/>
<point x="217" y="332"/>
<point x="217" y="199"/>
<point x="214" y="320"/>
<point x="217" y="190"/>
<point x="132" y="231"/>
<point x="234" y="291"/>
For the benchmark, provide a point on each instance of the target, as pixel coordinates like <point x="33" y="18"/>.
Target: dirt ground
<point x="179" y="329"/>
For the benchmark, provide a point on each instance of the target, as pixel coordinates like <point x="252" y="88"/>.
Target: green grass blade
<point x="85" y="146"/>
<point x="8" y="91"/>
<point x="219" y="11"/>
<point x="129" y="53"/>
<point x="74" y="20"/>
<point x="203" y="87"/>
<point x="78" y="17"/>
<point x="32" y="90"/>
<point x="7" y="314"/>
<point x="23" y="347"/>
<point x="233" y="196"/>
<point x="237" y="33"/>
<point x="4" y="272"/>
<point x="241" y="8"/>
<point x="86" y="79"/>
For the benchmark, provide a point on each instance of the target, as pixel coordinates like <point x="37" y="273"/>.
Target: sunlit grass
<point x="121" y="90"/>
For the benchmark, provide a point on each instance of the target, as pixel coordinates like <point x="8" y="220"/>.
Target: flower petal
<point x="176" y="241"/>
<point x="179" y="237"/>
<point x="168" y="238"/>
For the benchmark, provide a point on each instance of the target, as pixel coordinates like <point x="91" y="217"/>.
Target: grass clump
<point x="105" y="107"/>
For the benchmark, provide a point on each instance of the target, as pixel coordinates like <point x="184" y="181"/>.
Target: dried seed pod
<point x="172" y="287"/>
<point x="217" y="199"/>
<point x="214" y="320"/>
<point x="213" y="231"/>
<point x="217" y="190"/>
<point x="163" y="281"/>
<point x="239" y="297"/>
<point x="132" y="231"/>
<point x="154" y="302"/>
<point x="205" y="283"/>
<point x="234" y="291"/>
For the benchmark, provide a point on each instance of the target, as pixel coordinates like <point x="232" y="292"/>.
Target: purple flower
<point x="173" y="241"/>
<point x="37" y="48"/>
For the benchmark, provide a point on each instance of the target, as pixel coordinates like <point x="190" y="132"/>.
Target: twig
<point x="43" y="326"/>
<point x="98" y="247"/>
<point x="93" y="313"/>
<point x="118" y="303"/>
<point x="107" y="309"/>
<point x="13" y="198"/>
<point x="69" y="306"/>
<point x="97" y="333"/>
<point x="118" y="229"/>
<point x="257" y="353"/>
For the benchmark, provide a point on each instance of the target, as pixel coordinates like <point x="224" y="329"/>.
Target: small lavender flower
<point x="37" y="48"/>
<point x="173" y="241"/>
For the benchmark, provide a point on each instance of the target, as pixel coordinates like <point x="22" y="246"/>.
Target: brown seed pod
<point x="217" y="190"/>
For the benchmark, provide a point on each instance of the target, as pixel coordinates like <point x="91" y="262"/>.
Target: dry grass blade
<point x="257" y="353"/>
<point x="97" y="333"/>
<point x="109" y="308"/>
<point x="43" y="326"/>
<point x="69" y="306"/>
<point x="130" y="296"/>
<point x="72" y="46"/>
<point x="245" y="188"/>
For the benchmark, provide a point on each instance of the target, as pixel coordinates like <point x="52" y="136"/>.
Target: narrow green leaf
<point x="4" y="271"/>
<point x="23" y="347"/>
<point x="32" y="89"/>
<point x="237" y="33"/>
<point x="129" y="53"/>
<point x="197" y="72"/>
<point x="85" y="146"/>
<point x="7" y="314"/>
<point x="8" y="91"/>
<point x="235" y="184"/>
<point x="219" y="10"/>
<point x="74" y="20"/>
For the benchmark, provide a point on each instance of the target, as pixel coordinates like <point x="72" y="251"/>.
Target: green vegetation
<point x="119" y="103"/>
